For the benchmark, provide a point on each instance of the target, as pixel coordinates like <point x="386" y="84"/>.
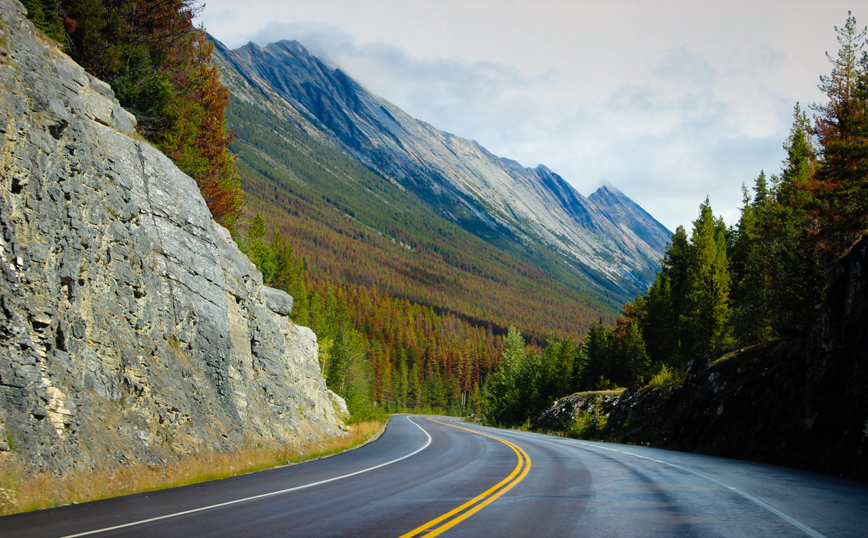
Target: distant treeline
<point x="381" y="353"/>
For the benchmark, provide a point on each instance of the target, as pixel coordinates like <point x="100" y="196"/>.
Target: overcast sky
<point x="669" y="101"/>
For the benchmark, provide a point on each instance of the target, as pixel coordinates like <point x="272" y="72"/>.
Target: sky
<point x="668" y="101"/>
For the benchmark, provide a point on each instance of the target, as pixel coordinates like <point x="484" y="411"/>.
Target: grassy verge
<point x="44" y="490"/>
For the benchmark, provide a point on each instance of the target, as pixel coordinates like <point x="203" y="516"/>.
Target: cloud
<point x="489" y="101"/>
<point x="681" y="67"/>
<point x="388" y="67"/>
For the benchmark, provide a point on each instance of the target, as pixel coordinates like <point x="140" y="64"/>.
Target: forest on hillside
<point x="427" y="303"/>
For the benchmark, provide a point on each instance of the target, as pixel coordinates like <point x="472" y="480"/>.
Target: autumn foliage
<point x="159" y="66"/>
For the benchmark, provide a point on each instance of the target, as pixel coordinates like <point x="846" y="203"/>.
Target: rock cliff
<point x="131" y="327"/>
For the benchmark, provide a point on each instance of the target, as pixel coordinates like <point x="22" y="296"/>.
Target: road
<point x="439" y="476"/>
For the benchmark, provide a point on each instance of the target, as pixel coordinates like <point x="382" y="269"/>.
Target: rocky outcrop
<point x="131" y="327"/>
<point x="799" y="402"/>
<point x="562" y="415"/>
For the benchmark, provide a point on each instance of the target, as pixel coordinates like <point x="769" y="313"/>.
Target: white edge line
<point x="262" y="496"/>
<point x="789" y="519"/>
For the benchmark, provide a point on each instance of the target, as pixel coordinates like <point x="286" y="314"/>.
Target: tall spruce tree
<point x="752" y="267"/>
<point x="799" y="273"/>
<point x="666" y="301"/>
<point x="598" y="351"/>
<point x="708" y="285"/>
<point x="557" y="366"/>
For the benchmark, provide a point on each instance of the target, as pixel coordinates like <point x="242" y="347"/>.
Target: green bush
<point x="666" y="376"/>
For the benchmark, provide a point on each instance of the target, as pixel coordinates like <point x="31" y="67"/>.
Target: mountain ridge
<point x="494" y="197"/>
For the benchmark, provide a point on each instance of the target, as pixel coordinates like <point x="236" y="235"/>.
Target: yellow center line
<point x="484" y="499"/>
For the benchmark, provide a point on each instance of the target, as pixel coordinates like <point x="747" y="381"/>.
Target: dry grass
<point x="609" y="392"/>
<point x="44" y="490"/>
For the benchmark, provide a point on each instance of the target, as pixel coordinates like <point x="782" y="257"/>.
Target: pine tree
<point x="752" y="267"/>
<point x="708" y="284"/>
<point x="557" y="368"/>
<point x="288" y="276"/>
<point x="195" y="134"/>
<point x="580" y="362"/>
<point x="634" y="357"/>
<point x="799" y="274"/>
<point x="255" y="248"/>
<point x="597" y="349"/>
<point x="665" y="302"/>
<point x="841" y="126"/>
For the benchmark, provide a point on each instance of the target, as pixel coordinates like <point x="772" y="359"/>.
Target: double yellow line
<point x="448" y="520"/>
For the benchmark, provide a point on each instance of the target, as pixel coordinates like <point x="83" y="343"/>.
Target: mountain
<point x="605" y="246"/>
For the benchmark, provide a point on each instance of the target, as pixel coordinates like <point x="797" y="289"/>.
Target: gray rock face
<point x="131" y="327"/>
<point x="561" y="415"/>
<point x="278" y="301"/>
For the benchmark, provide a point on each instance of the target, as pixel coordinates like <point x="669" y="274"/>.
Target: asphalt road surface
<point x="439" y="476"/>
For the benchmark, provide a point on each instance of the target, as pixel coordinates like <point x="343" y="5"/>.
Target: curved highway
<point x="439" y="476"/>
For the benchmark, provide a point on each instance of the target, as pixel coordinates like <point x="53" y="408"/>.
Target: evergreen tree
<point x="580" y="362"/>
<point x="259" y="253"/>
<point x="841" y="126"/>
<point x="798" y="272"/>
<point x="752" y="267"/>
<point x="45" y="15"/>
<point x="597" y="350"/>
<point x="436" y="392"/>
<point x="634" y="357"/>
<point x="706" y="316"/>
<point x="665" y="302"/>
<point x="288" y="276"/>
<point x="557" y="369"/>
<point x="502" y="395"/>
<point x="159" y="66"/>
<point x="402" y="386"/>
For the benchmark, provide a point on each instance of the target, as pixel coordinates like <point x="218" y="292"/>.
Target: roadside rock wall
<point x="131" y="327"/>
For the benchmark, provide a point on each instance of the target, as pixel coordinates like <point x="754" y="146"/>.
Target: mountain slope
<point x="351" y="226"/>
<point x="512" y="207"/>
